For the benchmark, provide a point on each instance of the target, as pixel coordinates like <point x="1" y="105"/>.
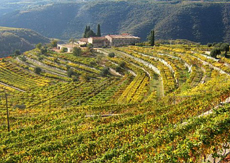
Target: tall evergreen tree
<point x="152" y="38"/>
<point x="90" y="33"/>
<point x="98" y="30"/>
<point x="86" y="28"/>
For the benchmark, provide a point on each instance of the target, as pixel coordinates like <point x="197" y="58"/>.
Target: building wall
<point x="111" y="41"/>
<point x="124" y="41"/>
<point x="69" y="49"/>
<point x="98" y="43"/>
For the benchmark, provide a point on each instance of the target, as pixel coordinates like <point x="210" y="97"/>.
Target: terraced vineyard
<point x="161" y="104"/>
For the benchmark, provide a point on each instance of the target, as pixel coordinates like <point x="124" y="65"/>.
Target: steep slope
<point x="200" y="22"/>
<point x="196" y="22"/>
<point x="122" y="118"/>
<point x="12" y="39"/>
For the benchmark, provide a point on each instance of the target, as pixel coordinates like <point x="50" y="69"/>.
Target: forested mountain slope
<point x="12" y="39"/>
<point x="200" y="22"/>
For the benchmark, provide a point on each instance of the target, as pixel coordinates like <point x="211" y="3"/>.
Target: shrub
<point x="64" y="49"/>
<point x="122" y="64"/>
<point x="70" y="72"/>
<point x="39" y="46"/>
<point x="17" y="52"/>
<point x="111" y="55"/>
<point x="77" y="51"/>
<point x="37" y="70"/>
<point x="215" y="52"/>
<point x="23" y="58"/>
<point x="209" y="44"/>
<point x="105" y="72"/>
<point x="54" y="43"/>
<point x="43" y="50"/>
<point x="84" y="77"/>
<point x="118" y="69"/>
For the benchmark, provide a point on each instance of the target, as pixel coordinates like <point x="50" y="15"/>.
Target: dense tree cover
<point x="88" y="32"/>
<point x="215" y="52"/>
<point x="225" y="47"/>
<point x="169" y="20"/>
<point x="218" y="48"/>
<point x="12" y="39"/>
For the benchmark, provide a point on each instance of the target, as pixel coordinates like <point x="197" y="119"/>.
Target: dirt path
<point x="113" y="72"/>
<point x="214" y="67"/>
<point x="204" y="76"/>
<point x="43" y="69"/>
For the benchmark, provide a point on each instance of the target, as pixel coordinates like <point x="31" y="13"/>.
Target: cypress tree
<point x="98" y="30"/>
<point x="152" y="38"/>
<point x="86" y="28"/>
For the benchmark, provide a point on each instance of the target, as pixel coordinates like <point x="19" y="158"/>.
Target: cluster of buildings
<point x="106" y="41"/>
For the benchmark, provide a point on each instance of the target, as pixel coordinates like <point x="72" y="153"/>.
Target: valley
<point x="114" y="81"/>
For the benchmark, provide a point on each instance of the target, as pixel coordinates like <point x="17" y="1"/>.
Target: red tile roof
<point x="123" y="36"/>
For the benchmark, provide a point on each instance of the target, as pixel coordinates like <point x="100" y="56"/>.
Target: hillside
<point x="196" y="21"/>
<point x="12" y="39"/>
<point x="169" y="103"/>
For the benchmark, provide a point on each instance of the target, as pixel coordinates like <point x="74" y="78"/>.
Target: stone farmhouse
<point x="99" y="42"/>
<point x="110" y="40"/>
<point x="69" y="47"/>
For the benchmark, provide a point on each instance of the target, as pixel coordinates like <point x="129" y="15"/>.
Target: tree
<point x="209" y="44"/>
<point x="54" y="43"/>
<point x="105" y="72"/>
<point x="84" y="77"/>
<point x="84" y="34"/>
<point x="98" y="30"/>
<point x="218" y="45"/>
<point x="37" y="70"/>
<point x="118" y="69"/>
<point x="122" y="64"/>
<point x="71" y="40"/>
<point x="40" y="58"/>
<point x="23" y="58"/>
<point x="225" y="47"/>
<point x="64" y="49"/>
<point x="215" y="52"/>
<point x="152" y="38"/>
<point x="17" y="52"/>
<point x="39" y="46"/>
<point x="87" y="29"/>
<point x="43" y="50"/>
<point x="67" y="67"/>
<point x="70" y="72"/>
<point x="77" y="51"/>
<point x="90" y="33"/>
<point x="89" y="45"/>
<point x="111" y="55"/>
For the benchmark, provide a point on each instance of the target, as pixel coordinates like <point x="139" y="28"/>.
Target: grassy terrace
<point x="167" y="105"/>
